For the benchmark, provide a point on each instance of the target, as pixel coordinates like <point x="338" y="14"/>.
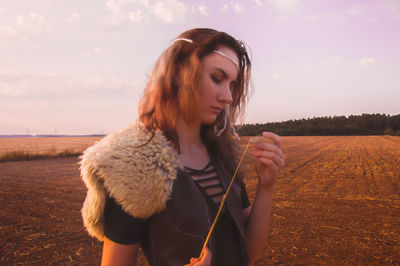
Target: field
<point x="46" y="145"/>
<point x="337" y="202"/>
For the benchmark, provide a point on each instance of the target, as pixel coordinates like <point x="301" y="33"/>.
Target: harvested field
<point x="45" y="145"/>
<point x="337" y="202"/>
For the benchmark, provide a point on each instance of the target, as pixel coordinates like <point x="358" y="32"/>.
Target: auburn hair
<point x="172" y="92"/>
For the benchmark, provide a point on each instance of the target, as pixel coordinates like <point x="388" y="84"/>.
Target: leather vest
<point x="178" y="232"/>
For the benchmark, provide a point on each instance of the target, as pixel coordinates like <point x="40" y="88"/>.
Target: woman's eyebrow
<point x="223" y="73"/>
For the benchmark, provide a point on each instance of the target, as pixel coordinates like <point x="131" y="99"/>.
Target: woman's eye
<point x="215" y="79"/>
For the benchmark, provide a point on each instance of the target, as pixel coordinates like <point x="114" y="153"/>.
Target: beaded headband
<point x="215" y="51"/>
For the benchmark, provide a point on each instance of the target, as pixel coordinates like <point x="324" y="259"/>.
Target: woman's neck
<point x="193" y="152"/>
<point x="188" y="135"/>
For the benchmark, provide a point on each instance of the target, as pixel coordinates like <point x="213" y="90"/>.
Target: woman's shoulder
<point x="132" y="142"/>
<point x="132" y="161"/>
<point x="122" y="139"/>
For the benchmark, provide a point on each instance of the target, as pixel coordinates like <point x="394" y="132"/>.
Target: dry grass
<point x="20" y="149"/>
<point x="46" y="145"/>
<point x="24" y="156"/>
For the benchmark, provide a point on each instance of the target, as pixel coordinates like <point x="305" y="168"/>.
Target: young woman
<point x="158" y="184"/>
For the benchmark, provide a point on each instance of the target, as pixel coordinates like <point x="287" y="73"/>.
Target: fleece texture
<point x="139" y="177"/>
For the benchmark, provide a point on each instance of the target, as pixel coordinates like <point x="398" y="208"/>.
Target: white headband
<point x="182" y="39"/>
<point x="215" y="51"/>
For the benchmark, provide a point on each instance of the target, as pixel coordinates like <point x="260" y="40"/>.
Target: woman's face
<point x="218" y="78"/>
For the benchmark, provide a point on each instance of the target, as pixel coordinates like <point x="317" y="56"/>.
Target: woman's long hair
<point x="172" y="91"/>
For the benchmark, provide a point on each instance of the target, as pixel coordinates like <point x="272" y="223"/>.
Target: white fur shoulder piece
<point x="139" y="177"/>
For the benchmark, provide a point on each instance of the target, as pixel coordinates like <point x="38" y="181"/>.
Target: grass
<point x="25" y="156"/>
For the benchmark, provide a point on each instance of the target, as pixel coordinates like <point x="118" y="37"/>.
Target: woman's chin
<point x="209" y="120"/>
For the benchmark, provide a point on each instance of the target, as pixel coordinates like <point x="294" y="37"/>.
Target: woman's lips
<point x="217" y="109"/>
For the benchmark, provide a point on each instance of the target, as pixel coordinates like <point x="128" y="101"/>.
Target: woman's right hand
<point x="205" y="260"/>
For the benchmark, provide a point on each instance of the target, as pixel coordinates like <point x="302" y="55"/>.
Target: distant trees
<point x="365" y="124"/>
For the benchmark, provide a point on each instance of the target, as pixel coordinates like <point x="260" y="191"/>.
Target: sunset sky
<point x="79" y="67"/>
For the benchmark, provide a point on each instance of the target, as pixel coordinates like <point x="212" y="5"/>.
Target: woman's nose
<point x="225" y="95"/>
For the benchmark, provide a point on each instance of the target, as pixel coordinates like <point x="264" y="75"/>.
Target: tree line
<point x="365" y="124"/>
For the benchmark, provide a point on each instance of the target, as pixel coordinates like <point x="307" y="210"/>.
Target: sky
<point x="79" y="67"/>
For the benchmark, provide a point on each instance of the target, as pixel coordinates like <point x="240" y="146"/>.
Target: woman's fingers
<point x="275" y="138"/>
<point x="205" y="259"/>
<point x="267" y="147"/>
<point x="269" y="163"/>
<point x="273" y="157"/>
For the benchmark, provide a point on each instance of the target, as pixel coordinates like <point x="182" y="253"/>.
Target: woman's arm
<point x="117" y="254"/>
<point x="258" y="221"/>
<point x="269" y="160"/>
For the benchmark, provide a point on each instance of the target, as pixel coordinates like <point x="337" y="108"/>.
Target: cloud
<point x="371" y="18"/>
<point x="258" y="2"/>
<point x="224" y="8"/>
<point x="138" y="11"/>
<point x="9" y="74"/>
<point x="40" y="101"/>
<point x="16" y="83"/>
<point x="135" y="16"/>
<point x="92" y="51"/>
<point x="169" y="11"/>
<point x="37" y="86"/>
<point x="74" y="18"/>
<point x="3" y="10"/>
<point x="13" y="83"/>
<point x="336" y="18"/>
<point x="338" y="59"/>
<point x="237" y="8"/>
<point x="117" y="15"/>
<point x="356" y="10"/>
<point x="285" y="5"/>
<point x="203" y="10"/>
<point x="366" y="61"/>
<point x="106" y="84"/>
<point x="368" y="13"/>
<point x="33" y="22"/>
<point x="393" y="7"/>
<point x="276" y="74"/>
<point x="144" y="3"/>
<point x="8" y="35"/>
<point x="7" y="31"/>
<point x="313" y="17"/>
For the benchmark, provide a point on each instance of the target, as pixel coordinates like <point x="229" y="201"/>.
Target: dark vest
<point x="178" y="233"/>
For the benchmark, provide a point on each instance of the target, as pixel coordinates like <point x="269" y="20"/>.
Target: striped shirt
<point x="207" y="179"/>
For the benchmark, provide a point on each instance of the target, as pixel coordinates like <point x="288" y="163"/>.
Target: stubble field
<point x="46" y="145"/>
<point x="337" y="202"/>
